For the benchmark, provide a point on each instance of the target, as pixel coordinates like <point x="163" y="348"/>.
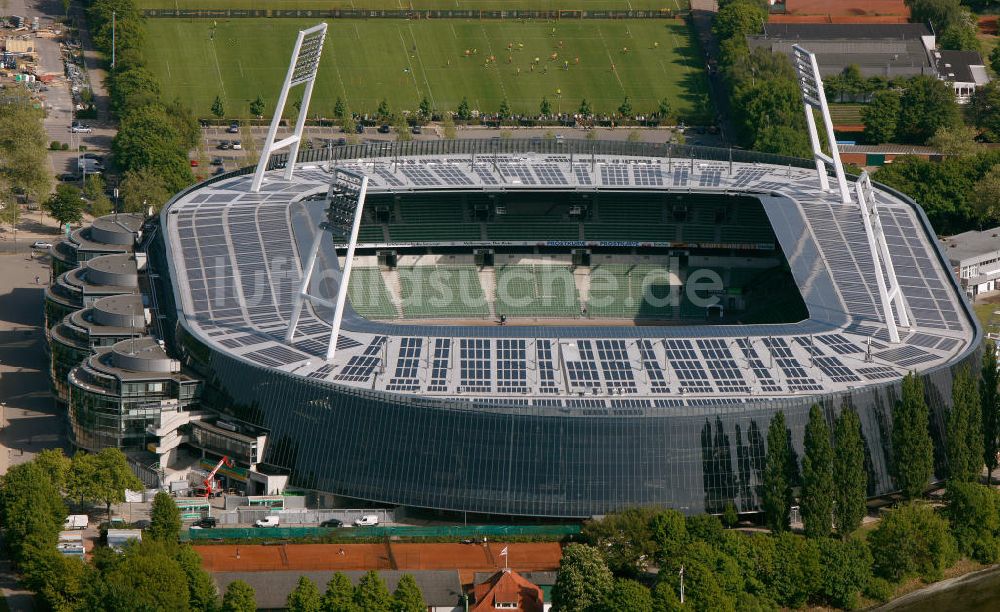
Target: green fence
<point x="381" y="532"/>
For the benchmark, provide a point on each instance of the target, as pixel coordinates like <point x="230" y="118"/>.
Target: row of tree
<point x="763" y="96"/>
<point x="154" y="135"/>
<point x="23" y="160"/>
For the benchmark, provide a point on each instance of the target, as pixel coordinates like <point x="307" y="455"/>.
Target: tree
<point x="628" y="595"/>
<point x="339" y="596"/>
<point x="201" y="590"/>
<point x="133" y="87"/>
<point x="165" y="519"/>
<point x="912" y="450"/>
<point x="881" y="116"/>
<point x="305" y="597"/>
<point x="149" y="138"/>
<point x="797" y="571"/>
<point x="30" y="505"/>
<point x="425" y="108"/>
<point x="959" y="140"/>
<point x="67" y="584"/>
<point x="371" y="594"/>
<point x="846" y="571"/>
<point x="990" y="405"/>
<point x="669" y="534"/>
<point x="464" y="112"/>
<point x="143" y="188"/>
<point x="65" y="205"/>
<point x="739" y="19"/>
<point x="583" y="581"/>
<point x="217" y="108"/>
<point x="407" y="596"/>
<point x="816" y="500"/>
<point x="995" y="59"/>
<point x="545" y="108"/>
<point x="383" y="111"/>
<point x="448" y="127"/>
<point x="960" y="35"/>
<point x="55" y="464"/>
<point x="941" y="13"/>
<point x="625" y="539"/>
<point x="664" y="110"/>
<point x="147" y="579"/>
<point x="625" y="109"/>
<point x="964" y="438"/>
<point x="776" y="494"/>
<point x="665" y="598"/>
<point x="973" y="511"/>
<point x="985" y="108"/>
<point x="504" y="111"/>
<point x="912" y="540"/>
<point x="927" y="105"/>
<point x="257" y="108"/>
<point x="103" y="477"/>
<point x="239" y="597"/>
<point x="849" y="473"/>
<point x="402" y="129"/>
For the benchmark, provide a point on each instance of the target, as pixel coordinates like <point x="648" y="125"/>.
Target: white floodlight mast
<point x="346" y="187"/>
<point x="813" y="97"/>
<point x="301" y="70"/>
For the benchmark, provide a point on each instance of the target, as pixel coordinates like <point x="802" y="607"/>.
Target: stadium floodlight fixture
<point x="345" y="204"/>
<point x="301" y="71"/>
<point x="813" y="97"/>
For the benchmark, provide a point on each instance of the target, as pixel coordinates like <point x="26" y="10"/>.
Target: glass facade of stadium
<point x="455" y="456"/>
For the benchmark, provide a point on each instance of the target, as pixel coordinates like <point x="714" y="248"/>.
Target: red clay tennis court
<point x="467" y="558"/>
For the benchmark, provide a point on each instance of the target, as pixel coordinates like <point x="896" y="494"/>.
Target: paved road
<point x="702" y="14"/>
<point x="28" y="419"/>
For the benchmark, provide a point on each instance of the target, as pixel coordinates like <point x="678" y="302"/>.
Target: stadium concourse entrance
<point x="571" y="258"/>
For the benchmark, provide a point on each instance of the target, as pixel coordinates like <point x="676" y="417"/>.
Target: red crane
<point x="210" y="479"/>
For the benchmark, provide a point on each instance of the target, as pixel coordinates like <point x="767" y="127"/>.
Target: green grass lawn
<point x="540" y="5"/>
<point x="403" y="61"/>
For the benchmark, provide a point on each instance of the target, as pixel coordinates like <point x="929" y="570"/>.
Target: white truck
<point x="117" y="538"/>
<point x="76" y="521"/>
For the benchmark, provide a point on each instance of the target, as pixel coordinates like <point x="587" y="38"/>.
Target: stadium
<point x="540" y="328"/>
<point x="600" y="391"/>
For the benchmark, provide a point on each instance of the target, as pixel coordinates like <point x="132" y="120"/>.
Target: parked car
<point x="41" y="245"/>
<point x="416" y="129"/>
<point x="80" y="128"/>
<point x="234" y="128"/>
<point x="142" y="524"/>
<point x="237" y="145"/>
<point x="223" y="145"/>
<point x="94" y="156"/>
<point x="69" y="177"/>
<point x="359" y="128"/>
<point x="194" y="163"/>
<point x="384" y="128"/>
<point x="219" y="170"/>
<point x="206" y="522"/>
<point x="267" y="521"/>
<point x="216" y="161"/>
<point x="334" y="523"/>
<point x="367" y="520"/>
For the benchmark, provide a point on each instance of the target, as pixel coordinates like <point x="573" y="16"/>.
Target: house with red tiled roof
<point x="508" y="591"/>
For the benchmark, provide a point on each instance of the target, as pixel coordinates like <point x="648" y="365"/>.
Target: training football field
<point x="509" y="5"/>
<point x="404" y="61"/>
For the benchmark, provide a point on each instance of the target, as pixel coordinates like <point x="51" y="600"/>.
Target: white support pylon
<point x="301" y="70"/>
<point x="813" y="97"/>
<point x="346" y="203"/>
<point x="890" y="293"/>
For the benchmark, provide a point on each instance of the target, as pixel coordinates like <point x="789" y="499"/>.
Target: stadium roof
<point x="235" y="261"/>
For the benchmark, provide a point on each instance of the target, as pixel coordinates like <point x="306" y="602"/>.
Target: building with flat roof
<point x="975" y="258"/>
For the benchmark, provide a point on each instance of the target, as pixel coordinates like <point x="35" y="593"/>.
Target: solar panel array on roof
<point x="651" y="365"/>
<point x="451" y="174"/>
<point x="439" y="365"/>
<point x="721" y="365"/>
<point x="616" y="365"/>
<point x="406" y="376"/>
<point x="512" y="366"/>
<point x="690" y="370"/>
<point x="475" y="364"/>
<point x="580" y="366"/>
<point x="614" y="174"/>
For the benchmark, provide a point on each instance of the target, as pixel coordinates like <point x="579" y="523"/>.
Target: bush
<point x="912" y="540"/>
<point x="65" y="146"/>
<point x="879" y="589"/>
<point x="54" y="145"/>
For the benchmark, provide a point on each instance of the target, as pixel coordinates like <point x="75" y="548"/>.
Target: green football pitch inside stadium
<point x="539" y="5"/>
<point x="403" y="61"/>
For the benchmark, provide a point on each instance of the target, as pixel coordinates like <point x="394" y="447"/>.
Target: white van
<point x="268" y="521"/>
<point x="366" y="521"/>
<point x="76" y="521"/>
